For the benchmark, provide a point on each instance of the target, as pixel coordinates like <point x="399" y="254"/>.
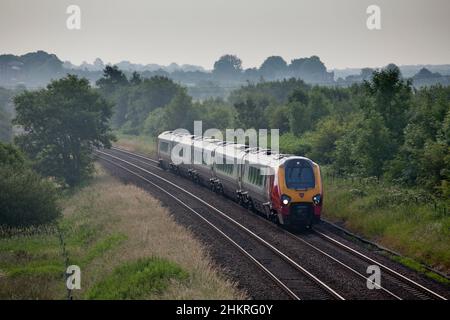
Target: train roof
<point x="265" y="157"/>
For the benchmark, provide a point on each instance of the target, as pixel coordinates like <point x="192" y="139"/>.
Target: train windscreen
<point x="299" y="174"/>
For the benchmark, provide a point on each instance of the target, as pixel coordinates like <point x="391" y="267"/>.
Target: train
<point x="285" y="188"/>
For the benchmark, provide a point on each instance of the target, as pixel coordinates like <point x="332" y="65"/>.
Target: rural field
<point x="241" y="151"/>
<point x="126" y="244"/>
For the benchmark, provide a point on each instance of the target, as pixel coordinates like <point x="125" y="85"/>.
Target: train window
<point x="254" y="176"/>
<point x="229" y="166"/>
<point x="225" y="166"/>
<point x="299" y="175"/>
<point x="164" y="147"/>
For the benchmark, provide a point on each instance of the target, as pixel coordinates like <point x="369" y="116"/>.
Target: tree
<point x="5" y="126"/>
<point x="364" y="147"/>
<point x="63" y="124"/>
<point x="150" y="94"/>
<point x="228" y="65"/>
<point x="155" y="122"/>
<point x="323" y="140"/>
<point x="215" y="113"/>
<point x="250" y="110"/>
<point x="25" y="198"/>
<point x="112" y="79"/>
<point x="135" y="78"/>
<point x="309" y="69"/>
<point x="391" y="98"/>
<point x="273" y="67"/>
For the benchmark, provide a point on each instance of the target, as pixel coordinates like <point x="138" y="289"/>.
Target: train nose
<point x="300" y="214"/>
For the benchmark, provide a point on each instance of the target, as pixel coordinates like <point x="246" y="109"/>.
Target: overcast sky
<point x="199" y="31"/>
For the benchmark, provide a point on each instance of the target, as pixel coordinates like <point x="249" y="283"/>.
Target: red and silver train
<point x="286" y="188"/>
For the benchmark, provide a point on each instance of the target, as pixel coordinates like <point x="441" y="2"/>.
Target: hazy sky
<point x="199" y="31"/>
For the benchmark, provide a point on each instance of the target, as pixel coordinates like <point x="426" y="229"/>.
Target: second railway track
<point x="346" y="276"/>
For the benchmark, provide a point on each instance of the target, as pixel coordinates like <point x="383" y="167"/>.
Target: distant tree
<point x="228" y="65"/>
<point x="62" y="124"/>
<point x="273" y="67"/>
<point x="215" y="113"/>
<point x="113" y="78"/>
<point x="278" y="117"/>
<point x="5" y="126"/>
<point x="250" y="111"/>
<point x="155" y="122"/>
<point x="150" y="94"/>
<point x="308" y="68"/>
<point x="366" y="73"/>
<point x="135" y="78"/>
<point x="179" y="113"/>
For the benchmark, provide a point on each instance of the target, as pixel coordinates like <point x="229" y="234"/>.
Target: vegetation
<point x="109" y="230"/>
<point x="62" y="124"/>
<point x="381" y="128"/>
<point x="382" y="131"/>
<point x="404" y="220"/>
<point x="6" y="113"/>
<point x="26" y="198"/>
<point x="142" y="278"/>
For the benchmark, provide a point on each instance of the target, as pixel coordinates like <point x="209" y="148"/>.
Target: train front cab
<point x="297" y="194"/>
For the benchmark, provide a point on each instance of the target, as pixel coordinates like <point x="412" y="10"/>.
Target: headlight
<point x="316" y="199"/>
<point x="285" y="200"/>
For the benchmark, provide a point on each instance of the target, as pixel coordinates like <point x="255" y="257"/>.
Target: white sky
<point x="199" y="31"/>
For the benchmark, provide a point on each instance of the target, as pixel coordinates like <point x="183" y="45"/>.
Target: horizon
<point x="199" y="32"/>
<point x="105" y="62"/>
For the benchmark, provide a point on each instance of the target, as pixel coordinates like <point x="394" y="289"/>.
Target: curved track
<point x="283" y="266"/>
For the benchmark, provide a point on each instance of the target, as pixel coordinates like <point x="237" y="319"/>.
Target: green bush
<point x="25" y="198"/>
<point x="290" y="143"/>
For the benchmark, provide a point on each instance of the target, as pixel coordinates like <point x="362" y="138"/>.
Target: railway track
<point x="285" y="270"/>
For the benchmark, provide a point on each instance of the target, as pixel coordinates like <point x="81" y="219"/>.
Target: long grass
<point x="408" y="221"/>
<point x="142" y="144"/>
<point x="109" y="229"/>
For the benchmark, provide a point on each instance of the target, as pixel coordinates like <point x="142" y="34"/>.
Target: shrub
<point x="26" y="199"/>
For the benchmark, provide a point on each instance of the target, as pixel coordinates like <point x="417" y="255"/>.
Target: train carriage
<point x="286" y="188"/>
<point x="228" y="166"/>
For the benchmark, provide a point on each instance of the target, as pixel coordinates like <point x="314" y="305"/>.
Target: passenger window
<point x="164" y="147"/>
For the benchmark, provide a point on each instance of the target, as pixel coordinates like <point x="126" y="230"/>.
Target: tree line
<point x="61" y="125"/>
<point x="382" y="127"/>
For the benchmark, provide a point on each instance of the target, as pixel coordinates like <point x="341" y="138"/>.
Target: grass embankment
<point x="126" y="244"/>
<point x="141" y="144"/>
<point x="404" y="220"/>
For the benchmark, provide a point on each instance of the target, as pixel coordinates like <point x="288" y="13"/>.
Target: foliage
<point x="228" y="65"/>
<point x="138" y="279"/>
<point x="380" y="127"/>
<point x="25" y="198"/>
<point x="62" y="124"/>
<point x="409" y="221"/>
